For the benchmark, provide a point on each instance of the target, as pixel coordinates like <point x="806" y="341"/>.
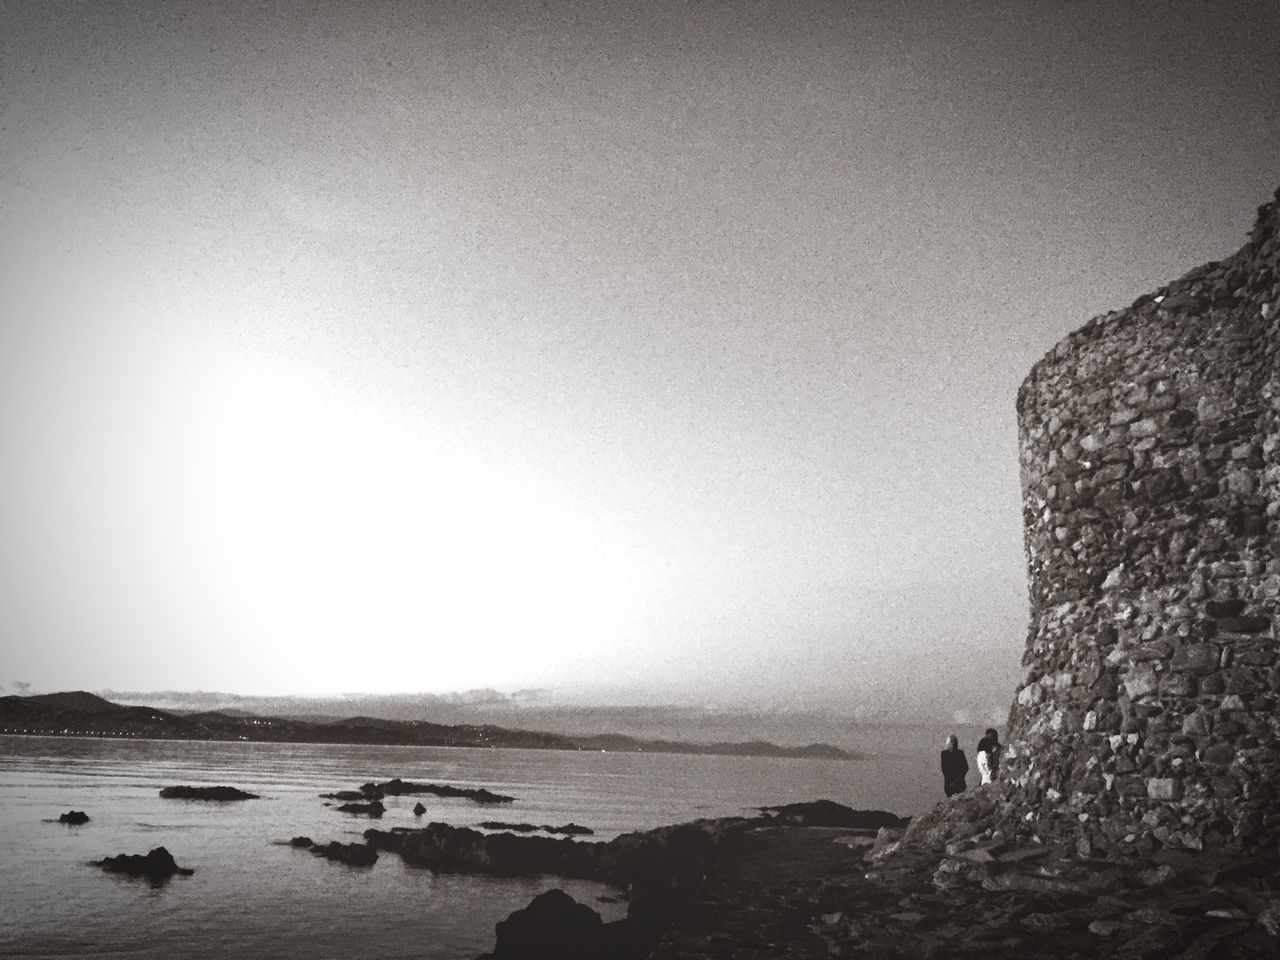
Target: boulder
<point x="156" y="865"/>
<point x="74" y="817"/>
<point x="419" y="809"/>
<point x="552" y="925"/>
<point x="303" y="842"/>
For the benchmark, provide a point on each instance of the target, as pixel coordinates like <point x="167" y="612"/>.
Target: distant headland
<point x="85" y="714"/>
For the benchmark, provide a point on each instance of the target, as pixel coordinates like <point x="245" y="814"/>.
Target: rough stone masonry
<point x="1147" y="715"/>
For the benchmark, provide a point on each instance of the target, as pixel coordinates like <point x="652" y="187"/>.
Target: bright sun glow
<point x="292" y="518"/>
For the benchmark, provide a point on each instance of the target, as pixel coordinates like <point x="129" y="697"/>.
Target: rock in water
<point x="183" y="792"/>
<point x="419" y="809"/>
<point x="398" y="788"/>
<point x="74" y="817"/>
<point x="352" y="854"/>
<point x="826" y="813"/>
<point x="372" y="809"/>
<point x="301" y="842"/>
<point x="156" y="865"/>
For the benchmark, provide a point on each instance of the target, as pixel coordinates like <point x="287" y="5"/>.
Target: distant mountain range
<point x="86" y="714"/>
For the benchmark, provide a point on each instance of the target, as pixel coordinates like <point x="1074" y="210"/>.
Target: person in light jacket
<point x="989" y="755"/>
<point x="954" y="767"/>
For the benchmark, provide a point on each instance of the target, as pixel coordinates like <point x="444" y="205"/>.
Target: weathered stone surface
<point x="1150" y="458"/>
<point x="1164" y="788"/>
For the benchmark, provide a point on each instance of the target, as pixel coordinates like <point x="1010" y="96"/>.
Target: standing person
<point x="995" y="752"/>
<point x="989" y="755"/>
<point x="954" y="767"/>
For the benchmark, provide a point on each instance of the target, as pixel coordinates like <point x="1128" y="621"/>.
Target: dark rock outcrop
<point x="302" y="842"/>
<point x="793" y="894"/>
<point x="399" y="788"/>
<point x="1150" y="456"/>
<point x="352" y="854"/>
<point x="157" y="865"/>
<point x="554" y="925"/>
<point x="354" y="795"/>
<point x="374" y="808"/>
<point x="568" y="830"/>
<point x="74" y="817"/>
<point x="462" y="850"/>
<point x="826" y="813"/>
<point x="220" y="794"/>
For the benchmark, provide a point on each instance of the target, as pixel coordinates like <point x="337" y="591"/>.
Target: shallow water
<point x="250" y="897"/>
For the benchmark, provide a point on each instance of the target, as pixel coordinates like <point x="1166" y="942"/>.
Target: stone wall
<point x="1147" y="715"/>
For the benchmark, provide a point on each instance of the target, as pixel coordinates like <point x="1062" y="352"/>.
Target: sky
<point x="637" y="352"/>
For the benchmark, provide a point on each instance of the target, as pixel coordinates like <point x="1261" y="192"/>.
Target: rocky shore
<point x="949" y="885"/>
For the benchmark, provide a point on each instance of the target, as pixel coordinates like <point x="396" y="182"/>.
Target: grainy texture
<point x="1150" y="457"/>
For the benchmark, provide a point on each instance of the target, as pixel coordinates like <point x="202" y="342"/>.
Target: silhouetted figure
<point x="989" y="755"/>
<point x="954" y="767"/>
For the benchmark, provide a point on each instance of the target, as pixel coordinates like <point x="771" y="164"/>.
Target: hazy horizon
<point x="790" y="724"/>
<point x="644" y="353"/>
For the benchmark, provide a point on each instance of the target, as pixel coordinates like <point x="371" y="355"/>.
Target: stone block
<point x="1199" y="659"/>
<point x="1146" y="427"/>
<point x="1141" y="681"/>
<point x="1220" y="754"/>
<point x="1176" y="685"/>
<point x="1197" y="724"/>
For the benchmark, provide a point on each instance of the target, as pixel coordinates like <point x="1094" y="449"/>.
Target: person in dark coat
<point x="954" y="767"/>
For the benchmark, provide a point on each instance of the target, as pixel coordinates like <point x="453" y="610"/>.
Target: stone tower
<point x="1149" y="710"/>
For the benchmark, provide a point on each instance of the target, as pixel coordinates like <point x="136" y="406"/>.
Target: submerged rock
<point x="74" y="817"/>
<point x="183" y="792"/>
<point x="155" y="865"/>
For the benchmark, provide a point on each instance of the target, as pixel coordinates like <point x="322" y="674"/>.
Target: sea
<point x="253" y="896"/>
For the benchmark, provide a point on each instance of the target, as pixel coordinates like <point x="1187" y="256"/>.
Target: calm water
<point x="252" y="898"/>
